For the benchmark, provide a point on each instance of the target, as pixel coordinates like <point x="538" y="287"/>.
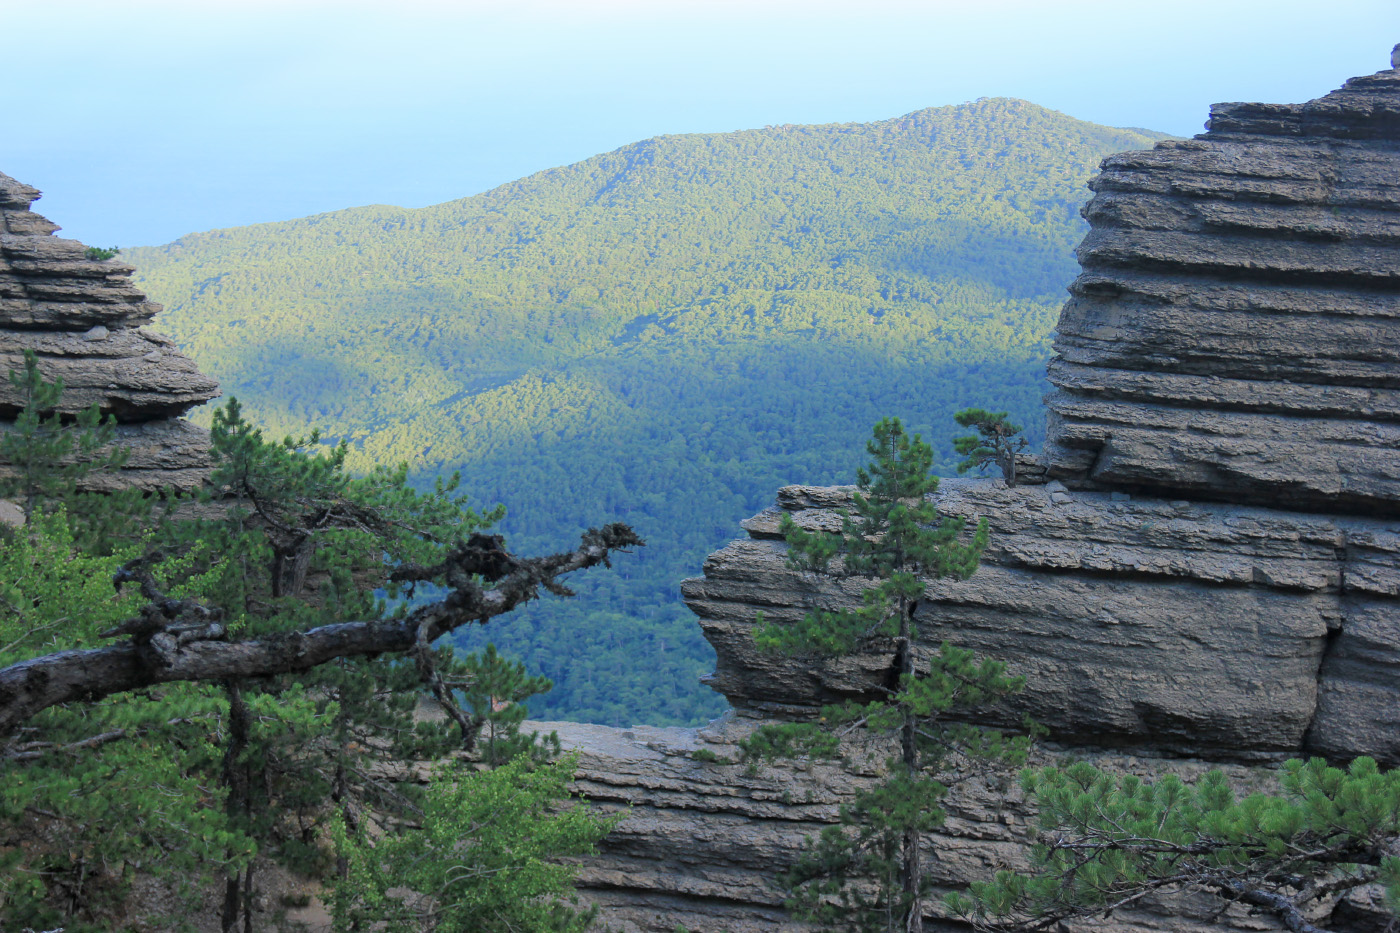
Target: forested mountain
<point x="660" y="335"/>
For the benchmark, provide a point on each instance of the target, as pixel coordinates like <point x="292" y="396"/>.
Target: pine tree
<point x="494" y="690"/>
<point x="301" y="543"/>
<point x="484" y="858"/>
<point x="867" y="873"/>
<point x="997" y="442"/>
<point x="45" y="459"/>
<point x="1109" y="840"/>
<point x="89" y="791"/>
<point x="288" y="547"/>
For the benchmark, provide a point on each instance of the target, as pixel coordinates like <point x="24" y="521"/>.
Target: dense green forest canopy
<point x="660" y="335"/>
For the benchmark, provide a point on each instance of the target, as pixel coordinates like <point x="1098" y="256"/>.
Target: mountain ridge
<point x="714" y="313"/>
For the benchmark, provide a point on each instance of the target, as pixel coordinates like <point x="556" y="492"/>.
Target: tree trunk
<point x="236" y="806"/>
<point x="290" y="564"/>
<point x="341" y="795"/>
<point x="248" y="899"/>
<point x="1006" y="452"/>
<point x="911" y="870"/>
<point x="87" y="675"/>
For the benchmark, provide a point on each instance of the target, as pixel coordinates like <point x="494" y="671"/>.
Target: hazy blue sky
<point x="143" y="121"/>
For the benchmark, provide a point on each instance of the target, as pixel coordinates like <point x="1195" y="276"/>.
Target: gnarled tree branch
<point x="29" y="687"/>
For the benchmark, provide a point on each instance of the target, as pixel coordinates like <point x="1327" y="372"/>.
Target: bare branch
<point x="428" y="672"/>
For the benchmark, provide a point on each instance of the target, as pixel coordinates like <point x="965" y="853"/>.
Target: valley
<point x="660" y="335"/>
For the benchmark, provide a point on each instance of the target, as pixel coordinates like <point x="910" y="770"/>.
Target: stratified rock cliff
<point x="86" y="322"/>
<point x="1191" y="628"/>
<point x="1207" y="570"/>
<point x="1216" y="569"/>
<point x="1235" y="334"/>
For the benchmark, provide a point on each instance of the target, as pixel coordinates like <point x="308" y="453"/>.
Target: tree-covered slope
<point x="661" y="335"/>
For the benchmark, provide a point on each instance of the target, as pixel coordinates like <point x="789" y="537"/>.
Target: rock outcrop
<point x="1235" y="334"/>
<point x="1206" y="570"/>
<point x="87" y="323"/>
<point x="705" y="838"/>
<point x="1165" y="625"/>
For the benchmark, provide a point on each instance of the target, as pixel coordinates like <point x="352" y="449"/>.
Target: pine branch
<point x="28" y="687"/>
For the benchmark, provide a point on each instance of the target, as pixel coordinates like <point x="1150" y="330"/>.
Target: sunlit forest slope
<point x="661" y="335"/>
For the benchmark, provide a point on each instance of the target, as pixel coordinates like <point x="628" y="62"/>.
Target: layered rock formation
<point x="705" y="838"/>
<point x="86" y="322"/>
<point x="1192" y="628"/>
<point x="1235" y="334"/>
<point x="1207" y="566"/>
<point x="1215" y="567"/>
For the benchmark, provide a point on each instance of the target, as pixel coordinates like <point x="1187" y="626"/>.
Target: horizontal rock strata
<point x="1194" y="628"/>
<point x="1235" y="334"/>
<point x="1212" y="569"/>
<point x="86" y="323"/>
<point x="705" y="838"/>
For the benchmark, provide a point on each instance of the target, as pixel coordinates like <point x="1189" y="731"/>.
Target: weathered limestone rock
<point x="1201" y="629"/>
<point x="85" y="320"/>
<point x="1207" y="564"/>
<point x="705" y="840"/>
<point x="1235" y="334"/>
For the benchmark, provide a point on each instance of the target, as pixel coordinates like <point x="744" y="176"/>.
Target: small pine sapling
<point x="494" y="690"/>
<point x="996" y="442"/>
<point x="485" y="858"/>
<point x="867" y="872"/>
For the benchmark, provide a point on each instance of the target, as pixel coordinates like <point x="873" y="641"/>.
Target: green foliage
<point x="92" y="793"/>
<point x="895" y="537"/>
<point x="484" y="860"/>
<point x="995" y="443"/>
<point x="99" y="252"/>
<point x="48" y="458"/>
<point x="191" y="780"/>
<point x="301" y="543"/>
<point x="495" y="690"/>
<point x="865" y="873"/>
<point x="720" y="313"/>
<point x="709" y="757"/>
<point x="1109" y="839"/>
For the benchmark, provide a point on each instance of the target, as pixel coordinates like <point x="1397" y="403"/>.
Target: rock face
<point x="86" y="322"/>
<point x="1191" y="628"/>
<point x="705" y="839"/>
<point x="1235" y="334"/>
<point x="1214" y="568"/>
<point x="1205" y="570"/>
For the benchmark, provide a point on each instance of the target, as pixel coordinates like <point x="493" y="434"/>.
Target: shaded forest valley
<point x="660" y="335"/>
